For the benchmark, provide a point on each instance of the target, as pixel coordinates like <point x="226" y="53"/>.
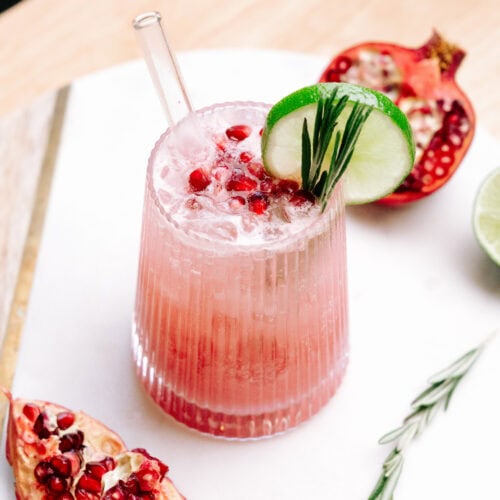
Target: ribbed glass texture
<point x="240" y="341"/>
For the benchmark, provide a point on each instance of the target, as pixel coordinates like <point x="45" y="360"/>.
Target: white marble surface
<point x="421" y="293"/>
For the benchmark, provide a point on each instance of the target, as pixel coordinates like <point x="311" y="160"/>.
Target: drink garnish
<point x="354" y="130"/>
<point x="315" y="179"/>
<point x="424" y="407"/>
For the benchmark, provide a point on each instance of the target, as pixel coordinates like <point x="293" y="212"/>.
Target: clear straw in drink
<point x="162" y="67"/>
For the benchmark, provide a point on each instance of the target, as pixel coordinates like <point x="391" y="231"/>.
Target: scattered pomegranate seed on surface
<point x="199" y="180"/>
<point x="258" y="202"/>
<point x="238" y="132"/>
<point x="240" y="182"/>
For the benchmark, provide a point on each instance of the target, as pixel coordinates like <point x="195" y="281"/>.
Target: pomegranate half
<point x="421" y="81"/>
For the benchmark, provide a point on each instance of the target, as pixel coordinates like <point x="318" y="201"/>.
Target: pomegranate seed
<point x="240" y="182"/>
<point x="287" y="186"/>
<point x="199" y="180"/>
<point x="238" y="132"/>
<point x="109" y="463"/>
<point x="301" y="198"/>
<point x="131" y="485"/>
<point x="31" y="411"/>
<point x="147" y="479"/>
<point x="163" y="467"/>
<point x="236" y="202"/>
<point x="43" y="472"/>
<point x="246" y="156"/>
<point x="86" y="495"/>
<point x="57" y="484"/>
<point x="41" y="426"/>
<point x="257" y="169"/>
<point x="66" y="496"/>
<point x="95" y="470"/>
<point x="258" y="203"/>
<point x="71" y="441"/>
<point x="115" y="493"/>
<point x="62" y="465"/>
<point x="88" y="483"/>
<point x="343" y="64"/>
<point x="268" y="186"/>
<point x="65" y="420"/>
<point x="261" y="131"/>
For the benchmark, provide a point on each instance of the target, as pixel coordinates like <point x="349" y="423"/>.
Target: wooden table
<point x="45" y="44"/>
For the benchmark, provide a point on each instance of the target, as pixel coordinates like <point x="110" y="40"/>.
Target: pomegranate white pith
<point x="57" y="454"/>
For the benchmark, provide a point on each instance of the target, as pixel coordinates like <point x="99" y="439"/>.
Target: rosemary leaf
<point x="425" y="407"/>
<point x="315" y="180"/>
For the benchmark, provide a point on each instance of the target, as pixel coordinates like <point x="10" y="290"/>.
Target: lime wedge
<point x="384" y="153"/>
<point x="486" y="218"/>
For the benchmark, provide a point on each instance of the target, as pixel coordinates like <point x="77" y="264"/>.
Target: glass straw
<point x="162" y="66"/>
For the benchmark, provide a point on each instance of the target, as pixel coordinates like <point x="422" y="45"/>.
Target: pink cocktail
<point x="241" y="314"/>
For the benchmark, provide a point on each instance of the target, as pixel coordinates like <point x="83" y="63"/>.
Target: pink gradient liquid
<point x="241" y="314"/>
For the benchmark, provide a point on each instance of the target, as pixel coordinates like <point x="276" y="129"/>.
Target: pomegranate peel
<point x="77" y="457"/>
<point x="421" y="81"/>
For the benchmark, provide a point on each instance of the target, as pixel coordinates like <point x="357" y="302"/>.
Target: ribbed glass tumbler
<point x="240" y="341"/>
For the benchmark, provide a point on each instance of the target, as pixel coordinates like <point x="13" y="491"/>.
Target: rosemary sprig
<point x="425" y="406"/>
<point x="322" y="182"/>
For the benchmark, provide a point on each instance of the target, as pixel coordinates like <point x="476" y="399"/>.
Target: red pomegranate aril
<point x="115" y="493"/>
<point x="257" y="170"/>
<point x="258" y="203"/>
<point x="240" y="182"/>
<point x="146" y="479"/>
<point x="66" y="496"/>
<point x="44" y="471"/>
<point x="163" y="467"/>
<point x="268" y="186"/>
<point x="86" y="495"/>
<point x="199" y="180"/>
<point x="31" y="411"/>
<point x="62" y="465"/>
<point x="57" y="484"/>
<point x="131" y="485"/>
<point x="288" y="186"/>
<point x="238" y="132"/>
<point x="65" y="420"/>
<point x="89" y="483"/>
<point x="95" y="470"/>
<point x="236" y="202"/>
<point x="71" y="441"/>
<point x="301" y="198"/>
<point x="246" y="157"/>
<point x="41" y="426"/>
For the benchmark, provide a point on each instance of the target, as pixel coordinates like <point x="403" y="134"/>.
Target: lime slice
<point x="383" y="156"/>
<point x="486" y="216"/>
